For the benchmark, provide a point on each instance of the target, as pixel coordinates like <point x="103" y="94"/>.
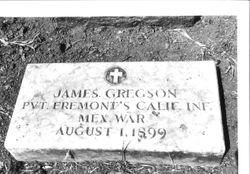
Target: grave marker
<point x="153" y="112"/>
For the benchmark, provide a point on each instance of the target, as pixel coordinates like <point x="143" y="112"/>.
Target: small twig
<point x="28" y="43"/>
<point x="126" y="58"/>
<point x="4" y="113"/>
<point x="4" y="42"/>
<point x="139" y="169"/>
<point x="93" y="170"/>
<point x="231" y="67"/>
<point x="124" y="151"/>
<point x="184" y="33"/>
<point x="228" y="69"/>
<point x="7" y="169"/>
<point x="69" y="155"/>
<point x="171" y="159"/>
<point x="28" y="171"/>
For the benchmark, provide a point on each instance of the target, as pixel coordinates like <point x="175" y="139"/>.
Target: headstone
<point x="153" y="112"/>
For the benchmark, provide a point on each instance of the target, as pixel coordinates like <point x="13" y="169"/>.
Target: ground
<point x="38" y="40"/>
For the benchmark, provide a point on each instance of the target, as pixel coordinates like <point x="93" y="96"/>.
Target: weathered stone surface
<point x="161" y="112"/>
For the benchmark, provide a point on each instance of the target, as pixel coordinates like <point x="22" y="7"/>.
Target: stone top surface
<point x="151" y="106"/>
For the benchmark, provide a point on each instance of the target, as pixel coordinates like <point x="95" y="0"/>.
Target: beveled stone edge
<point x="80" y="155"/>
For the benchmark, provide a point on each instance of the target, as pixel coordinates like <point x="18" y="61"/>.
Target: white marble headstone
<point x="154" y="112"/>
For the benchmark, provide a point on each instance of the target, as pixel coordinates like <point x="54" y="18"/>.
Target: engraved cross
<point x="116" y="74"/>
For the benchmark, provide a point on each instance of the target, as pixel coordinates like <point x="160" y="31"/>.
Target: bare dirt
<point x="38" y="40"/>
